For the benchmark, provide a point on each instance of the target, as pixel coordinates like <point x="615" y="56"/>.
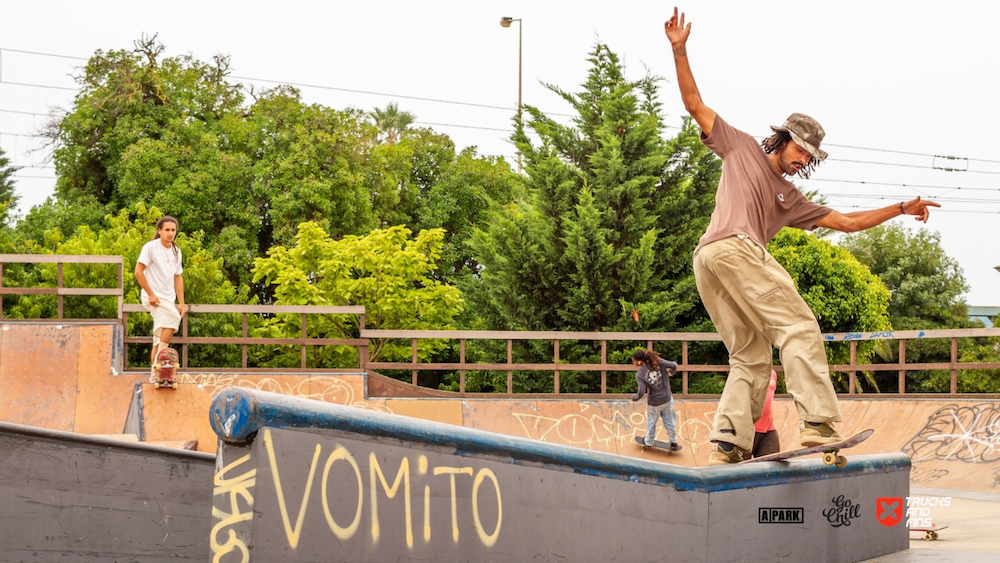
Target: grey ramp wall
<point x="68" y="497"/>
<point x="343" y="484"/>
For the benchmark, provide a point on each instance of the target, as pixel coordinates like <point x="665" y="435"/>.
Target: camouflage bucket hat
<point x="806" y="132"/>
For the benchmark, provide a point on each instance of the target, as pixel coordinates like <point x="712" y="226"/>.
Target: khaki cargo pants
<point x="754" y="304"/>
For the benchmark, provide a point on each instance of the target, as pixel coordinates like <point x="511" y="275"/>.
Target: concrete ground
<point x="971" y="536"/>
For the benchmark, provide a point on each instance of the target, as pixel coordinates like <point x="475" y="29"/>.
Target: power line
<point x="921" y="186"/>
<point x="922" y="166"/>
<point x="908" y="153"/>
<point x="43" y="54"/>
<point x="895" y="198"/>
<point x="505" y="108"/>
<point x="38" y="86"/>
<point x="34" y="113"/>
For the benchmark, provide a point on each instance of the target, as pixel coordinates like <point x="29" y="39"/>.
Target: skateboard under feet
<point x="658" y="445"/>
<point x="831" y="452"/>
<point x="165" y="369"/>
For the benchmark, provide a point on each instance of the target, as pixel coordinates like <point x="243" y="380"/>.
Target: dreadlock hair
<point x="648" y="357"/>
<point x="777" y="141"/>
<point x="159" y="225"/>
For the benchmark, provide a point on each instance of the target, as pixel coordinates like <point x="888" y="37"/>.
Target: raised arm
<point x="678" y="34"/>
<point x="861" y="220"/>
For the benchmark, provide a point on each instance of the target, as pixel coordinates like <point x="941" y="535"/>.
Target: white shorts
<point x="165" y="315"/>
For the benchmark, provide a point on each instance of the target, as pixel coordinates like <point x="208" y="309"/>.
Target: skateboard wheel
<point x="928" y="537"/>
<point x="156" y="385"/>
<point x="829" y="458"/>
<point x="841" y="461"/>
<point x="175" y="387"/>
<point x="934" y="535"/>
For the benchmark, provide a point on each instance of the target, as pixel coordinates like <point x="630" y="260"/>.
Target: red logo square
<point x="889" y="510"/>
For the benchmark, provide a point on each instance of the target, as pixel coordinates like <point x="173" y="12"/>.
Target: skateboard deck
<point x="166" y="368"/>
<point x="831" y="452"/>
<point x="930" y="534"/>
<point x="658" y="444"/>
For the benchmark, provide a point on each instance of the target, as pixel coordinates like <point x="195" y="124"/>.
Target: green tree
<point x="602" y="238"/>
<point x="927" y="289"/>
<point x="843" y="294"/>
<point x="391" y="123"/>
<point x="385" y="271"/>
<point x="8" y="193"/>
<point x="204" y="282"/>
<point x="175" y="133"/>
<point x="609" y="219"/>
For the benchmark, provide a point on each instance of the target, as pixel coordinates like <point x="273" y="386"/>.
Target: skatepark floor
<point x="971" y="536"/>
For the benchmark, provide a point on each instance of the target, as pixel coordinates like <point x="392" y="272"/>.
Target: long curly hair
<point x="777" y="141"/>
<point x="648" y="357"/>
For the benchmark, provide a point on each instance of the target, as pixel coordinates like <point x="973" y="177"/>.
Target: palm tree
<point x="391" y="123"/>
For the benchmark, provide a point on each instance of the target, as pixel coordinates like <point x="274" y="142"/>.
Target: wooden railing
<point x="684" y="367"/>
<point x="557" y="364"/>
<point x="59" y="290"/>
<point x="304" y="341"/>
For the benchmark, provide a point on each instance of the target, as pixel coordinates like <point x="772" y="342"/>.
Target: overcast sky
<point x="893" y="83"/>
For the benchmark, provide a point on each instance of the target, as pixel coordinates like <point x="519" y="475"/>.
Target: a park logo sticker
<point x="780" y="515"/>
<point x="889" y="510"/>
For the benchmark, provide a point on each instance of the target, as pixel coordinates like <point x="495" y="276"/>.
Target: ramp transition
<point x="69" y="497"/>
<point x="302" y="480"/>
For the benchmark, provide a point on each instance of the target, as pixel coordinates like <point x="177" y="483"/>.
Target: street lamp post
<point x="505" y="22"/>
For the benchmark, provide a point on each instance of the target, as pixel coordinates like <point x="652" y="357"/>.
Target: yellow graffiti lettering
<point x="452" y="471"/>
<point x="402" y="475"/>
<point x="292" y="534"/>
<point x="237" y="488"/>
<point x="231" y="545"/>
<point x="427" y="513"/>
<point x="348" y="532"/>
<point x="487" y="539"/>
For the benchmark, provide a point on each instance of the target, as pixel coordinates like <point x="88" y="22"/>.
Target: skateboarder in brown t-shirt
<point x="752" y="300"/>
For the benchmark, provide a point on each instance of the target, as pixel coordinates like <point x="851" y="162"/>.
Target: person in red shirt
<point x="765" y="440"/>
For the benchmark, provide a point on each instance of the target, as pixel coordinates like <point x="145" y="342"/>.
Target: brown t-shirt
<point x="753" y="199"/>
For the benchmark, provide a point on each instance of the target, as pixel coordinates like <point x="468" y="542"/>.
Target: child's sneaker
<point x="720" y="456"/>
<point x="817" y="434"/>
<point x="674" y="447"/>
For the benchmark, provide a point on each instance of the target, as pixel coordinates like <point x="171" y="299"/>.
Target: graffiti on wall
<point x="329" y="389"/>
<point x="969" y="434"/>
<point x="299" y="488"/>
<point x="609" y="428"/>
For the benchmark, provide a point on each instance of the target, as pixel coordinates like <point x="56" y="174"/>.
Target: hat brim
<point x="816" y="152"/>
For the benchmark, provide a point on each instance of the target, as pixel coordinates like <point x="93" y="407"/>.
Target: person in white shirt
<point x="158" y="271"/>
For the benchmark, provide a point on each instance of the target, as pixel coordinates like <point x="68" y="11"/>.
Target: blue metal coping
<point x="237" y="414"/>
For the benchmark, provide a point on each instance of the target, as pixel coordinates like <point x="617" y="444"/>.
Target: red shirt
<point x="766" y="422"/>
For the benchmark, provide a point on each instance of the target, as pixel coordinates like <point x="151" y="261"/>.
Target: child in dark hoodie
<point x="653" y="377"/>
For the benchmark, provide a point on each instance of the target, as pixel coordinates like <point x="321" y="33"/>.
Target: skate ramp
<point x="303" y="480"/>
<point x="68" y="498"/>
<point x="61" y="376"/>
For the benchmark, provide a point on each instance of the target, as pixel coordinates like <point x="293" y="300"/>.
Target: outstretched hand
<point x="677" y="33"/>
<point x="919" y="207"/>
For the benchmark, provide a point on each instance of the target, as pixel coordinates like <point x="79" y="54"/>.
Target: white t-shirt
<point x="161" y="267"/>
